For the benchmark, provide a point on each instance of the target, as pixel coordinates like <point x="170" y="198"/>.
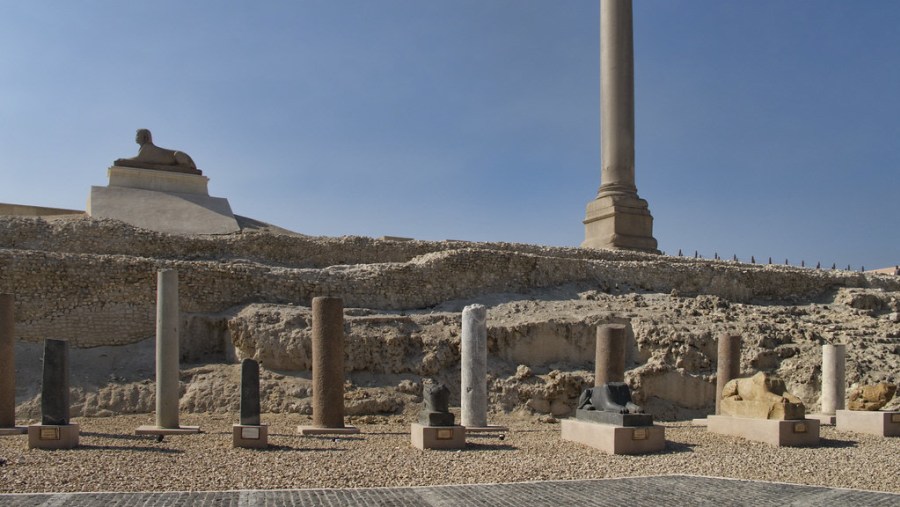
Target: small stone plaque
<point x="639" y="434"/>
<point x="250" y="433"/>
<point x="800" y="427"/>
<point x="50" y="433"/>
<point x="444" y="434"/>
<point x="895" y="418"/>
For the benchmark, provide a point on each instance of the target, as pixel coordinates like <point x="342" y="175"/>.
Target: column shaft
<point x="328" y="362"/>
<point x="610" y="354"/>
<point x="250" y="392"/>
<point x="168" y="319"/>
<point x="7" y="361"/>
<point x="55" y="383"/>
<point x="474" y="366"/>
<point x="833" y="382"/>
<point x="616" y="98"/>
<point x="728" y="363"/>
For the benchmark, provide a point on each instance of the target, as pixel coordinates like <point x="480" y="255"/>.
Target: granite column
<point x="7" y="362"/>
<point x="473" y="403"/>
<point x="728" y="364"/>
<point x="167" y="363"/>
<point x="610" y="354"/>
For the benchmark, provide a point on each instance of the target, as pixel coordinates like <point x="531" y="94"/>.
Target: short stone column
<point x="168" y="375"/>
<point x="250" y="432"/>
<point x="473" y="351"/>
<point x="609" y="360"/>
<point x="8" y="367"/>
<point x="728" y="363"/>
<point x="327" y="368"/>
<point x="55" y="431"/>
<point x="833" y="385"/>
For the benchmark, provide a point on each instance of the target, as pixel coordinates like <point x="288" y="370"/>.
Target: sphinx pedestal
<point x="13" y="430"/>
<point x="882" y="424"/>
<point x="437" y="437"/>
<point x="250" y="436"/>
<point x="781" y="433"/>
<point x="615" y="439"/>
<point x="50" y="436"/>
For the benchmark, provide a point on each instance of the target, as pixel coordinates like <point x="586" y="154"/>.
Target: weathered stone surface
<point x="833" y="373"/>
<point x="473" y="368"/>
<point x="728" y="363"/>
<point x="250" y="393"/>
<point x="55" y="384"/>
<point x="871" y="397"/>
<point x="328" y="362"/>
<point x="761" y="397"/>
<point x="609" y="362"/>
<point x="7" y="361"/>
<point x="437" y="406"/>
<point x="168" y="320"/>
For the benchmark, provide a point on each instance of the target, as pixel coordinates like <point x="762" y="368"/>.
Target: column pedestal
<point x="51" y="436"/>
<point x="250" y="436"/>
<point x="437" y="437"/>
<point x="619" y="222"/>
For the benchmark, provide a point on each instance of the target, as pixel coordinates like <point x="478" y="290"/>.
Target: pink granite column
<point x="610" y="354"/>
<point x="328" y="362"/>
<point x="729" y="363"/>
<point x="7" y="362"/>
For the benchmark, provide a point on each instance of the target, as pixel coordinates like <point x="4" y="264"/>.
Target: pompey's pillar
<point x="617" y="218"/>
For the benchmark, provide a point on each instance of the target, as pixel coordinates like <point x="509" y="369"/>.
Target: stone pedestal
<point x="250" y="436"/>
<point x="473" y="368"/>
<point x="781" y="433"/>
<point x="8" y="367"/>
<point x="613" y="439"/>
<point x="437" y="437"/>
<point x="619" y="222"/>
<point x="728" y="365"/>
<point x="53" y="436"/>
<point x="55" y="383"/>
<point x="609" y="355"/>
<point x="327" y="368"/>
<point x="882" y="424"/>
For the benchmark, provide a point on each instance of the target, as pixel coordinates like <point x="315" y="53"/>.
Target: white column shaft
<point x="474" y="366"/>
<point x="833" y="383"/>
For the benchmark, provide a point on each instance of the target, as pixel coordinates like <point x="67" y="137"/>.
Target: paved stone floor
<point x="634" y="491"/>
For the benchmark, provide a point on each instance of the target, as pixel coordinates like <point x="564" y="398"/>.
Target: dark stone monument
<point x="250" y="392"/>
<point x="55" y="383"/>
<point x="153" y="157"/>
<point x="437" y="403"/>
<point x="611" y="404"/>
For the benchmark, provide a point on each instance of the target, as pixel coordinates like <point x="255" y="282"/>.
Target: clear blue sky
<point x="765" y="127"/>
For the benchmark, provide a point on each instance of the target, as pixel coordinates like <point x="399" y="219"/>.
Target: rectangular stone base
<point x="437" y="437"/>
<point x="619" y="222"/>
<point x="613" y="439"/>
<point x="48" y="436"/>
<point x="824" y="419"/>
<point x="487" y="429"/>
<point x="601" y="417"/>
<point x="15" y="430"/>
<point x="317" y="430"/>
<point x="882" y="424"/>
<point x="250" y="437"/>
<point x="790" y="433"/>
<point x="156" y="430"/>
<point x="699" y="422"/>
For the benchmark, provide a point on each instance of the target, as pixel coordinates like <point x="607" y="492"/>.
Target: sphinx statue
<point x="612" y="397"/>
<point x="871" y="397"/>
<point x="151" y="156"/>
<point x="760" y="397"/>
<point x="437" y="405"/>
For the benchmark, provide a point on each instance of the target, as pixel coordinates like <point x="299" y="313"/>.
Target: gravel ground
<point x="112" y="458"/>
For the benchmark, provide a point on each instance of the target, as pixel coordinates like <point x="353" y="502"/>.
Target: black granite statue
<point x="437" y="406"/>
<point x="55" y="384"/>
<point x="611" y="404"/>
<point x="249" y="392"/>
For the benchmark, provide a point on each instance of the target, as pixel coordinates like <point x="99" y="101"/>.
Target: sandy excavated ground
<point x="111" y="458"/>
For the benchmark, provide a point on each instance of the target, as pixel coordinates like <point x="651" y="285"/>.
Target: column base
<point x="882" y="424"/>
<point x="824" y="419"/>
<point x="156" y="430"/>
<point x="487" y="429"/>
<point x="250" y="436"/>
<point x="14" y="430"/>
<point x="781" y="433"/>
<point x="319" y="430"/>
<point x="50" y="436"/>
<point x="437" y="437"/>
<point x="619" y="222"/>
<point x="614" y="439"/>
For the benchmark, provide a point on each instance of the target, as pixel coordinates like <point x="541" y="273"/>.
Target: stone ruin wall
<point x="93" y="281"/>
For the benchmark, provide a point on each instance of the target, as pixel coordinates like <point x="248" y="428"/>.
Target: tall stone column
<point x="55" y="383"/>
<point x="610" y="354"/>
<point x="473" y="409"/>
<point x="250" y="392"/>
<point x="728" y="364"/>
<point x="167" y="368"/>
<point x="833" y="384"/>
<point x="617" y="218"/>
<point x="7" y="361"/>
<point x="328" y="362"/>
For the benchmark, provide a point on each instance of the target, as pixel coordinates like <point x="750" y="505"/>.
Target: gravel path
<point x="111" y="458"/>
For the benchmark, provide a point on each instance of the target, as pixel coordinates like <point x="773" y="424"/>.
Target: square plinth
<point x="613" y="439"/>
<point x="787" y="433"/>
<point x="14" y="430"/>
<point x="156" y="430"/>
<point x="250" y="437"/>
<point x="619" y="222"/>
<point x="824" y="419"/>
<point x="882" y="424"/>
<point x="318" y="430"/>
<point x="437" y="437"/>
<point x="48" y="436"/>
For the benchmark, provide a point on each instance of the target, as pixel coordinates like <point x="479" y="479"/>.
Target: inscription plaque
<point x="49" y="434"/>
<point x="895" y="418"/>
<point x="639" y="434"/>
<point x="250" y="433"/>
<point x="799" y="427"/>
<point x="444" y="434"/>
